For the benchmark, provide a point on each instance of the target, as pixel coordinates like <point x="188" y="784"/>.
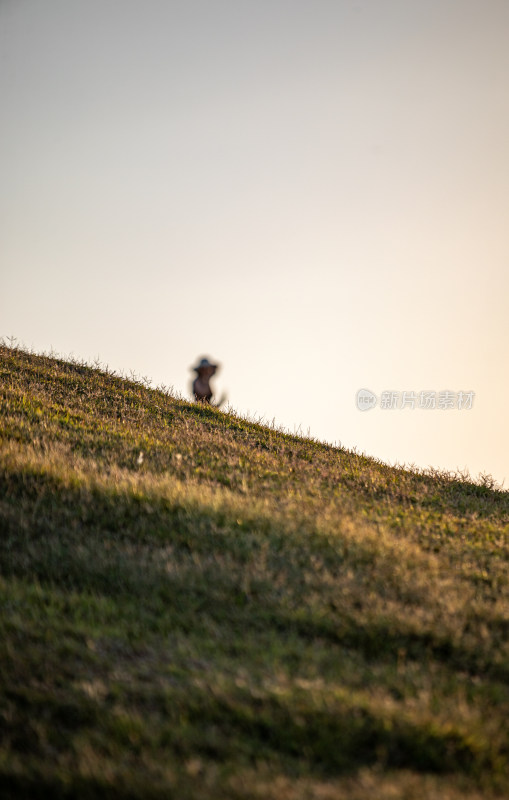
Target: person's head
<point x="205" y="369"/>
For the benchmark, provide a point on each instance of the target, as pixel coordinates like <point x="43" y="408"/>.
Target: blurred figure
<point x="201" y="385"/>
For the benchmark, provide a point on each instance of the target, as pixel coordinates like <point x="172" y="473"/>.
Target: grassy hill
<point x="194" y="606"/>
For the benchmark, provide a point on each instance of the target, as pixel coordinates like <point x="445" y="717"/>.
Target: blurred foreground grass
<point x="195" y="606"/>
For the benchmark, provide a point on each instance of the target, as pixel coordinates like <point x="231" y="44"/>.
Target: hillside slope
<point x="194" y="606"/>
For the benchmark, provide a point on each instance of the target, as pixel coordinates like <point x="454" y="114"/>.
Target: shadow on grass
<point x="89" y="544"/>
<point x="37" y="784"/>
<point x="97" y="543"/>
<point x="241" y="728"/>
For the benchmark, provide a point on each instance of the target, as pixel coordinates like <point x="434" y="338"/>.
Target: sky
<point x="313" y="194"/>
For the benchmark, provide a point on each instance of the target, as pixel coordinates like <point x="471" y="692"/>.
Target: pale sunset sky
<point x="315" y="193"/>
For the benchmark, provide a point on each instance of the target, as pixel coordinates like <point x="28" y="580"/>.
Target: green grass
<point x="237" y="613"/>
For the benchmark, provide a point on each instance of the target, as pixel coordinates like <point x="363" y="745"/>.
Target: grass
<point x="196" y="606"/>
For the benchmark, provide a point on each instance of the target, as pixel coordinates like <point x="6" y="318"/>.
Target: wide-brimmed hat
<point x="204" y="363"/>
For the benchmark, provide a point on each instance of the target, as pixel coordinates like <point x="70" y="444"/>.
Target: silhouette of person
<point x="201" y="384"/>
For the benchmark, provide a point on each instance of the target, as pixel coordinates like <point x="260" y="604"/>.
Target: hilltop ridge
<point x="195" y="605"/>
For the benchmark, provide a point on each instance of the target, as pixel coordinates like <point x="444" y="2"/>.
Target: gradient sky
<point x="316" y="194"/>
